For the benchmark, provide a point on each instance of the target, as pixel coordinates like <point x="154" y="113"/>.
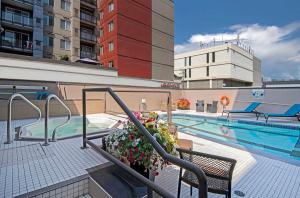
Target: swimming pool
<point x="282" y="141"/>
<point x="73" y="128"/>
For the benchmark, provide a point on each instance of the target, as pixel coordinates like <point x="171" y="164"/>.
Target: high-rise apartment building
<point x="137" y="37"/>
<point x="134" y="37"/>
<point x="22" y="27"/>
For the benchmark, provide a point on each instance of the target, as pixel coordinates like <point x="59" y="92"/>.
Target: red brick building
<point x="136" y="37"/>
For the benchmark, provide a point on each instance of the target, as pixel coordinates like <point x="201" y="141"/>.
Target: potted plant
<point x="183" y="104"/>
<point x="133" y="148"/>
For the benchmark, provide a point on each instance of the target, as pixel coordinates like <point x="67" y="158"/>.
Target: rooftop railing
<point x="17" y="19"/>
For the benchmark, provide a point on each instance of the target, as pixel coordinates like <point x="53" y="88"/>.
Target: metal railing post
<point x="84" y="119"/>
<point x="46" y="143"/>
<point x="8" y="127"/>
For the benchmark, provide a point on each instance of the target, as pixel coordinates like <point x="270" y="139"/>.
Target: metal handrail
<point x="10" y="100"/>
<point x="202" y="181"/>
<point x="53" y="96"/>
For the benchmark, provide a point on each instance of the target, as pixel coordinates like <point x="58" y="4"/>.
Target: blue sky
<point x="272" y="27"/>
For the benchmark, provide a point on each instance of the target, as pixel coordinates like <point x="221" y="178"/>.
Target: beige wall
<point x="162" y="39"/>
<point x="277" y="100"/>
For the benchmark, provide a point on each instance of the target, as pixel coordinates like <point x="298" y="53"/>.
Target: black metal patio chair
<point x="218" y="171"/>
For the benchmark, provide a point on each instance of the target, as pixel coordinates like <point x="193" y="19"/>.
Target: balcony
<point x="87" y="18"/>
<point x="87" y="54"/>
<point x="28" y="4"/>
<point x="90" y="3"/>
<point x="16" y="44"/>
<point x="17" y="19"/>
<point x="88" y="37"/>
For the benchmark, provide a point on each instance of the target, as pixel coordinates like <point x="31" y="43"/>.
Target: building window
<point x="185" y="73"/>
<point x="48" y="2"/>
<point x="101" y="15"/>
<point x="111" y="63"/>
<point x="213" y="57"/>
<point x="65" y="24"/>
<point x="207" y="58"/>
<point x="190" y="73"/>
<point x="48" y="20"/>
<point x="110" y="26"/>
<point x="111" y="46"/>
<point x="65" y="44"/>
<point x="65" y="5"/>
<point x="111" y="6"/>
<point x="76" y="32"/>
<point x="101" y="32"/>
<point x="207" y="71"/>
<point x="185" y="61"/>
<point x="101" y="50"/>
<point x="38" y="21"/>
<point x="48" y="41"/>
<point x="76" y="12"/>
<point x="190" y="61"/>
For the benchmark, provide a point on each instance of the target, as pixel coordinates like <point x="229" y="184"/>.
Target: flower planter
<point x="133" y="148"/>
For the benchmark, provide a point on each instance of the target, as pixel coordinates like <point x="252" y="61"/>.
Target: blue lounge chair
<point x="250" y="109"/>
<point x="293" y="111"/>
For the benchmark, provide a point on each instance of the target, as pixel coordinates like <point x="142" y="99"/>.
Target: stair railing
<point x="202" y="182"/>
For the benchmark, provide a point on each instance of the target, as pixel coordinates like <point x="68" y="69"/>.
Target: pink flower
<point x="138" y="115"/>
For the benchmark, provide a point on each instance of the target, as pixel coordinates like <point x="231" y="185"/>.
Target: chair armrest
<point x="212" y="165"/>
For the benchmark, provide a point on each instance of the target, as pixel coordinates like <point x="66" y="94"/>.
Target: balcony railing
<point x="90" y="55"/>
<point x="17" y="19"/>
<point x="88" y="37"/>
<point x="31" y="2"/>
<point x="92" y="2"/>
<point x="88" y="18"/>
<point x="17" y="44"/>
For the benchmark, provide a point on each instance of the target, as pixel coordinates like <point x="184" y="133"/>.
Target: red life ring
<point x="225" y="100"/>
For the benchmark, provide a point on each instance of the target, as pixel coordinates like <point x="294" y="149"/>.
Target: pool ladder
<point x="20" y="128"/>
<point x="49" y="98"/>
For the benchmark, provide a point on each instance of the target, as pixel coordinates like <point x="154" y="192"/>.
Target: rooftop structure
<point x="218" y="65"/>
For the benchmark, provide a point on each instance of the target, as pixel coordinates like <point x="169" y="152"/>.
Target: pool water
<point x="74" y="127"/>
<point x="283" y="142"/>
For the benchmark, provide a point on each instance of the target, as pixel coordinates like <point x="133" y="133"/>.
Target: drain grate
<point x="239" y="193"/>
<point x="17" y="155"/>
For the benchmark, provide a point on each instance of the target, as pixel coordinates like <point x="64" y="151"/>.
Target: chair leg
<point x="191" y="190"/>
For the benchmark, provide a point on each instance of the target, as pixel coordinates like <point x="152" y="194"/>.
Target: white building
<point x="224" y="65"/>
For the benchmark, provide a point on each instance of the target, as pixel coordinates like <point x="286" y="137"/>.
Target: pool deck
<point x="254" y="175"/>
<point x="27" y="166"/>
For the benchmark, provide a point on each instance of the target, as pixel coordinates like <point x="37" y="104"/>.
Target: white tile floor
<point x="28" y="166"/>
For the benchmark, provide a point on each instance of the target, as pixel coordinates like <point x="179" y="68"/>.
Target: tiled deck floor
<point x="256" y="176"/>
<point x="28" y="166"/>
<point x="36" y="166"/>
